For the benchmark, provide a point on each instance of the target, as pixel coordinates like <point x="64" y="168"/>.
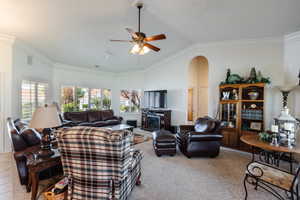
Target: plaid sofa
<point x="100" y="164"/>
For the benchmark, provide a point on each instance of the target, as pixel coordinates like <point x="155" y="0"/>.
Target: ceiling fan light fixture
<point x="139" y="39"/>
<point x="138" y="49"/>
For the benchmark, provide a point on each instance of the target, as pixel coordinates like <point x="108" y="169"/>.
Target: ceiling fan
<point x="139" y="39"/>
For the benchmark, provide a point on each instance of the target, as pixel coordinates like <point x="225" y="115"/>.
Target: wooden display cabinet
<point x="241" y="112"/>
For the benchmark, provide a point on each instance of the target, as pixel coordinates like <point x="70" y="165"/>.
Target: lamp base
<point x="44" y="153"/>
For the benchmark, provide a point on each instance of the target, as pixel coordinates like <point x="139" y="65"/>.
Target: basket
<point x="51" y="196"/>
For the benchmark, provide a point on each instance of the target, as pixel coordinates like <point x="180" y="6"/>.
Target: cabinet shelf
<point x="241" y="113"/>
<point x="254" y="101"/>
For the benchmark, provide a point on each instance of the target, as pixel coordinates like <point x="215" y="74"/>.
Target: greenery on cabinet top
<point x="254" y="77"/>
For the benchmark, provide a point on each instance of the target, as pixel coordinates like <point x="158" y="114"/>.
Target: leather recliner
<point x="25" y="141"/>
<point x="200" y="140"/>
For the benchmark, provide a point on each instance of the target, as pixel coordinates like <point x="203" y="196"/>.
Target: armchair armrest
<point x="21" y="155"/>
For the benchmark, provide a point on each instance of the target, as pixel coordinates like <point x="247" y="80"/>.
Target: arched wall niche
<point x="197" y="88"/>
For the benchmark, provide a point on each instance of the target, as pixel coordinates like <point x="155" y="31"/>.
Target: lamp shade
<point x="45" y="117"/>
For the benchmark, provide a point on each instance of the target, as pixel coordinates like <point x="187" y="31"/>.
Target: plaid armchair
<point x="100" y="164"/>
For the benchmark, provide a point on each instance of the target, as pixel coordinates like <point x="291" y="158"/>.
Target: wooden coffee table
<point x="255" y="143"/>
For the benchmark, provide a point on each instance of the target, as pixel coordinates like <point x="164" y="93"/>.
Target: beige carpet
<point x="166" y="178"/>
<point x="180" y="178"/>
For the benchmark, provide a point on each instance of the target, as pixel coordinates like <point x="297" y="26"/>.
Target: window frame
<point x="89" y="96"/>
<point x="130" y="101"/>
<point x="36" y="95"/>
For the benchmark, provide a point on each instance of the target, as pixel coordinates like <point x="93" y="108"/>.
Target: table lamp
<point x="45" y="117"/>
<point x="286" y="122"/>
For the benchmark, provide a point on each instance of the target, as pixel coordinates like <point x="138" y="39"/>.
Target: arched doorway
<point x="198" y="88"/>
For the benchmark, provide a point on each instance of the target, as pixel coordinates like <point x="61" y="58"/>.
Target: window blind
<point x="33" y="94"/>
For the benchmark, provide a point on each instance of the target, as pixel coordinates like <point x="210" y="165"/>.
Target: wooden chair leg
<point x="245" y="182"/>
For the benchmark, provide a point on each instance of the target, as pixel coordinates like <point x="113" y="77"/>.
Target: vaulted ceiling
<point x="77" y="32"/>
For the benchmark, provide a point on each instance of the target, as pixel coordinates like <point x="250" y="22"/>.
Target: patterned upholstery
<point x="96" y="160"/>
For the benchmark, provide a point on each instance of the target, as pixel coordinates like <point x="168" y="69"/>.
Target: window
<point x="82" y="96"/>
<point x="81" y="99"/>
<point x="130" y="100"/>
<point x="33" y="94"/>
<point x="106" y="100"/>
<point x="96" y="99"/>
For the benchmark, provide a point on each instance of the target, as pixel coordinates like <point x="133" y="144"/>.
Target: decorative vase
<point x="253" y="95"/>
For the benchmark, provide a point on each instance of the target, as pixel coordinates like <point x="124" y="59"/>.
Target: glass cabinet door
<point x="228" y="115"/>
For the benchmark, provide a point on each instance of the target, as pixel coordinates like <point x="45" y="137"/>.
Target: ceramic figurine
<point x="235" y="94"/>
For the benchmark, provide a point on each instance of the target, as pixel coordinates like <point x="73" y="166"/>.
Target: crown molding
<point x="7" y="38"/>
<point x="193" y="50"/>
<point x="62" y="66"/>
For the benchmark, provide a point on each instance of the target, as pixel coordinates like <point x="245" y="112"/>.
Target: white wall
<point x="6" y="53"/>
<point x="41" y="70"/>
<point x="172" y="73"/>
<point x="292" y="69"/>
<point x="93" y="78"/>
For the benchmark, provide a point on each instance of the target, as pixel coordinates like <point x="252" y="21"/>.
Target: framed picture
<point x="256" y="126"/>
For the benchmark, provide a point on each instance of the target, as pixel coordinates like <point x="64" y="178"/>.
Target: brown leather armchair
<point x="201" y="139"/>
<point x="25" y="141"/>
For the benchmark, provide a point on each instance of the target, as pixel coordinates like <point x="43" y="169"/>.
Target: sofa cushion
<point x="107" y="114"/>
<point x="94" y="116"/>
<point x="31" y="136"/>
<point x="99" y="124"/>
<point x="85" y="124"/>
<point x="112" y="122"/>
<point x="76" y="116"/>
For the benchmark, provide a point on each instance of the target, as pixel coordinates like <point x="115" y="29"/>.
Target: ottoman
<point x="164" y="143"/>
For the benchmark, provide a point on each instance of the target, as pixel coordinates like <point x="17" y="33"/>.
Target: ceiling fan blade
<point x="132" y="33"/>
<point x="155" y="37"/>
<point x="150" y="46"/>
<point x="121" y="40"/>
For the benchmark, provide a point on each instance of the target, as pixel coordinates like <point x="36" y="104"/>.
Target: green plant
<point x="124" y="108"/>
<point x="96" y="103"/>
<point x="265" y="137"/>
<point x="85" y="107"/>
<point x="70" y="107"/>
<point x="106" y="102"/>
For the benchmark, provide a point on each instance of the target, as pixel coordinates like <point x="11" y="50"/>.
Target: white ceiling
<point x="77" y="32"/>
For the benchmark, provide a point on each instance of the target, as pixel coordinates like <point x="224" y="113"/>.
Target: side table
<point x="35" y="166"/>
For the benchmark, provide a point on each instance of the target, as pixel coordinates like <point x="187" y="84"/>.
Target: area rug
<point x="140" y="138"/>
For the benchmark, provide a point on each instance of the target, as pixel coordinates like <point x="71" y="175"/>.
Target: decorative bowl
<point x="253" y="95"/>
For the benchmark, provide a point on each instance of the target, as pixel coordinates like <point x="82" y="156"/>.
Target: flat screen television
<point x="155" y="99"/>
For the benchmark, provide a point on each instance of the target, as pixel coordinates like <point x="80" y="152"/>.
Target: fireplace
<point x="153" y="122"/>
<point x="155" y="119"/>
